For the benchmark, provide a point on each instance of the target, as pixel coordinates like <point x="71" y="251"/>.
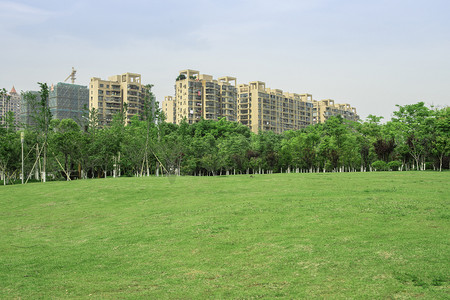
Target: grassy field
<point x="349" y="235"/>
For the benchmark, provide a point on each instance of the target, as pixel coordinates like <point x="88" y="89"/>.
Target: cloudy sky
<point x="372" y="54"/>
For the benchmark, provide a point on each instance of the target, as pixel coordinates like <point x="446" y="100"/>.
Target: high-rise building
<point x="120" y="93"/>
<point x="264" y="109"/>
<point x="326" y="108"/>
<point x="200" y="96"/>
<point x="169" y="109"/>
<point x="69" y="101"/>
<point x="10" y="103"/>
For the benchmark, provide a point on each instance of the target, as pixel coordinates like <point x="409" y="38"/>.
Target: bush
<point x="394" y="165"/>
<point x="181" y="77"/>
<point x="379" y="165"/>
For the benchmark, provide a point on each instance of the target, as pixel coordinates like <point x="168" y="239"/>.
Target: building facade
<point x="264" y="109"/>
<point x="169" y="109"/>
<point x="120" y="93"/>
<point x="10" y="103"/>
<point x="69" y="101"/>
<point x="200" y="96"/>
<point x="326" y="108"/>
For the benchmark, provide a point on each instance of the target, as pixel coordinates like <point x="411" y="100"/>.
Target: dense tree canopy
<point x="417" y="138"/>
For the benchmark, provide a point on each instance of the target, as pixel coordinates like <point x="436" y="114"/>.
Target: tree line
<point x="416" y="138"/>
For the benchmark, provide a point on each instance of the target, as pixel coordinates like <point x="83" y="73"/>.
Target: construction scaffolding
<point x="69" y="101"/>
<point x="28" y="107"/>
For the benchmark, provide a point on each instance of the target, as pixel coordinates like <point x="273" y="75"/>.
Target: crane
<point x="72" y="75"/>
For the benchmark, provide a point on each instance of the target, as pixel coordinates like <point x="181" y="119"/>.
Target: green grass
<point x="349" y="235"/>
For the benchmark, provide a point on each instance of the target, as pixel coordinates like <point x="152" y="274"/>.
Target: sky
<point x="372" y="54"/>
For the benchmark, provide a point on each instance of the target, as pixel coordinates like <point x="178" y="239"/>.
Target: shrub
<point x="181" y="77"/>
<point x="394" y="165"/>
<point x="379" y="165"/>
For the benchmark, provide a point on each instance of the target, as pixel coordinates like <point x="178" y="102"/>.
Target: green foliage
<point x="181" y="77"/>
<point x="417" y="137"/>
<point x="65" y="140"/>
<point x="10" y="151"/>
<point x="379" y="165"/>
<point x="394" y="165"/>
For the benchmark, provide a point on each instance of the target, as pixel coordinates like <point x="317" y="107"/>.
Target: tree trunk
<point x="36" y="171"/>
<point x="118" y="162"/>
<point x="44" y="175"/>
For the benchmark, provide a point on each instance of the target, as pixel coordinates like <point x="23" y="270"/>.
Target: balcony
<point x="133" y="87"/>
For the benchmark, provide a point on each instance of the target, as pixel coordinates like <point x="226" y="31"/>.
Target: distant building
<point x="264" y="109"/>
<point x="200" y="96"/>
<point x="169" y="109"/>
<point x="28" y="108"/>
<point x="324" y="109"/>
<point x="10" y="103"/>
<point x="69" y="101"/>
<point x="111" y="96"/>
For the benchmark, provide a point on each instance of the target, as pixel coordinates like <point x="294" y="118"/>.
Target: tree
<point x="232" y="150"/>
<point x="9" y="152"/>
<point x="88" y="146"/>
<point x="66" y="140"/>
<point x="415" y="123"/>
<point x="333" y="149"/>
<point x="41" y="116"/>
<point x="384" y="148"/>
<point x="9" y="143"/>
<point x="441" y="142"/>
<point x="369" y="132"/>
<point x="150" y="114"/>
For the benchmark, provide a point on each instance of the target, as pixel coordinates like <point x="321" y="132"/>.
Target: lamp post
<point x="22" y="138"/>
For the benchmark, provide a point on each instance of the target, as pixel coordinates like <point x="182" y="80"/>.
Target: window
<point x="101" y="84"/>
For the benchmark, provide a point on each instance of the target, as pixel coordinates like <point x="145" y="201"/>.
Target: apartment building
<point x="326" y="108"/>
<point x="111" y="96"/>
<point x="10" y="103"/>
<point x="200" y="96"/>
<point x="169" y="109"/>
<point x="264" y="109"/>
<point x="260" y="108"/>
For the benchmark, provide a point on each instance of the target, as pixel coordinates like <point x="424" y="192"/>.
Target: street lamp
<point x="22" y="139"/>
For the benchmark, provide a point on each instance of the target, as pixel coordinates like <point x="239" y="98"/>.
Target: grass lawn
<point x="343" y="235"/>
